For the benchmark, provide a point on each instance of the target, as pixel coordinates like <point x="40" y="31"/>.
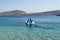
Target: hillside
<point x="13" y="13"/>
<point x="48" y="13"/>
<point x="22" y="13"/>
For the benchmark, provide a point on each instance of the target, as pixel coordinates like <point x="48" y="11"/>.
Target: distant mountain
<point x="48" y="13"/>
<point x="13" y="13"/>
<point x="22" y="13"/>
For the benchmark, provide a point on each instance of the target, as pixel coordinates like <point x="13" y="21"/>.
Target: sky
<point x="30" y="6"/>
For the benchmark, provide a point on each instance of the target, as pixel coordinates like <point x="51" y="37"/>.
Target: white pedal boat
<point x="28" y="23"/>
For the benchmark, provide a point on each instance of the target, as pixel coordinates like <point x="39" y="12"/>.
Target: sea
<point x="45" y="28"/>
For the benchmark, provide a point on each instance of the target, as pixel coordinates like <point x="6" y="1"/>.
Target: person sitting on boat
<point x="30" y="21"/>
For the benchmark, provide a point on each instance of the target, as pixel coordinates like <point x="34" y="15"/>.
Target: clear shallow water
<point x="45" y="28"/>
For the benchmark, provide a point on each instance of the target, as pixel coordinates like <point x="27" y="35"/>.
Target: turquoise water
<point x="45" y="28"/>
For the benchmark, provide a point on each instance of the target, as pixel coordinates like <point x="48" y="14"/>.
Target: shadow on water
<point x="39" y="26"/>
<point x="30" y="26"/>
